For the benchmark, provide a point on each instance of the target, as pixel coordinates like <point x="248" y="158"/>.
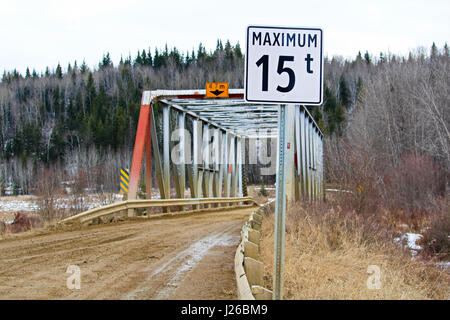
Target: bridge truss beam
<point x="204" y="140"/>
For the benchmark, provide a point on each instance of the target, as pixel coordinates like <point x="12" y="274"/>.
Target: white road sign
<point x="284" y="65"/>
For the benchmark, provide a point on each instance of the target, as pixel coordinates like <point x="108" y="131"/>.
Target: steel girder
<point x="215" y="169"/>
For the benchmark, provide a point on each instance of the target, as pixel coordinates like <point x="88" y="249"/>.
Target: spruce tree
<point x="344" y="92"/>
<point x="84" y="68"/>
<point x="433" y="51"/>
<point x="367" y="58"/>
<point x="238" y="51"/>
<point x="58" y="71"/>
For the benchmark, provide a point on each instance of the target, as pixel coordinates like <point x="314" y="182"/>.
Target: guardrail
<point x="99" y="212"/>
<point x="248" y="268"/>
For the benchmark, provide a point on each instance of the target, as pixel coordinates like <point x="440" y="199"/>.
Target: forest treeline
<point x="82" y="121"/>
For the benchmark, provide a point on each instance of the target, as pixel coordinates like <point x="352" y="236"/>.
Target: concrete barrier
<point x="244" y="292"/>
<point x="261" y="293"/>
<point x="251" y="250"/>
<point x="248" y="268"/>
<point x="254" y="236"/>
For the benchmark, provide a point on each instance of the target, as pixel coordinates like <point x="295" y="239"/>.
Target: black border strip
<point x="286" y="102"/>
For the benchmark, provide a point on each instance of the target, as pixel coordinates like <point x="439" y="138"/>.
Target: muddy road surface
<point x="189" y="257"/>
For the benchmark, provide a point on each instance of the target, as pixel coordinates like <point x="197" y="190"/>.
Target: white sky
<point x="44" y="32"/>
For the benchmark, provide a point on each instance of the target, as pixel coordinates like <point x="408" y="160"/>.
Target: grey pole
<point x="280" y="209"/>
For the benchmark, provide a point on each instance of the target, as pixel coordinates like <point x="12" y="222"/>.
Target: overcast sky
<point x="44" y="32"/>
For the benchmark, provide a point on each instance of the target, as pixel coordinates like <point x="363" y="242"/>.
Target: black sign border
<point x="285" y="102"/>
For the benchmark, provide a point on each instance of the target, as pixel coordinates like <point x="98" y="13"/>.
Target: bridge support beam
<point x="290" y="150"/>
<point x="139" y="147"/>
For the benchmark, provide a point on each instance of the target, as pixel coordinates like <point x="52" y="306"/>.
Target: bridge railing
<point x="117" y="207"/>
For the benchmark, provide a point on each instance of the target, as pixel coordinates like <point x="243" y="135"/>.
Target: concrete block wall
<point x="248" y="268"/>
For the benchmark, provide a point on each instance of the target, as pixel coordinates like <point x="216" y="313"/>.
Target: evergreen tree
<point x="238" y="51"/>
<point x="106" y="62"/>
<point x="138" y="60"/>
<point x="434" y="51"/>
<point x="201" y="52"/>
<point x="56" y="101"/>
<point x="84" y="68"/>
<point x="90" y="93"/>
<point x="157" y="60"/>
<point x="58" y="71"/>
<point x="367" y="58"/>
<point x="57" y="144"/>
<point x="338" y="118"/>
<point x="359" y="57"/>
<point x="344" y="92"/>
<point x="228" y="50"/>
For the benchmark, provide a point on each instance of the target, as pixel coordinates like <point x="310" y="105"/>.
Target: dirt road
<point x="178" y="258"/>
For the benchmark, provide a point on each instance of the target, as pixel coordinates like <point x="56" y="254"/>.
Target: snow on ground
<point x="9" y="206"/>
<point x="338" y="190"/>
<point x="444" y="265"/>
<point x="17" y="204"/>
<point x="411" y="239"/>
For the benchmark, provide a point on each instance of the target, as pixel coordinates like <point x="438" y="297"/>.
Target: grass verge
<point x="328" y="254"/>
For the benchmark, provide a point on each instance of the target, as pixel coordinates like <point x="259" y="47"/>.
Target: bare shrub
<point x="78" y="203"/>
<point x="47" y="188"/>
<point x="3" y="228"/>
<point x="353" y="169"/>
<point x="436" y="239"/>
<point x="23" y="222"/>
<point x="413" y="182"/>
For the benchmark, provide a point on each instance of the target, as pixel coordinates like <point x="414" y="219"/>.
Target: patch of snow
<point x="338" y="190"/>
<point x="267" y="188"/>
<point x="444" y="265"/>
<point x="18" y="205"/>
<point x="411" y="239"/>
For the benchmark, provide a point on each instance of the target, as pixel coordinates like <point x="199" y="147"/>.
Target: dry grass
<point x="328" y="252"/>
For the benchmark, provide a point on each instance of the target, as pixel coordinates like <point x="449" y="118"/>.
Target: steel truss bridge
<point x="211" y="135"/>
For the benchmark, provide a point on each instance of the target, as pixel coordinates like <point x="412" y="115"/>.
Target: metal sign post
<point x="280" y="209"/>
<point x="283" y="65"/>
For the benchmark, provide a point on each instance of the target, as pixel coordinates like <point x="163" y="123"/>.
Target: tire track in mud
<point x="149" y="259"/>
<point x="174" y="270"/>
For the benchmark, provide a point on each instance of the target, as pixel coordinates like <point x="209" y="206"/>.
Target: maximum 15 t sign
<point x="284" y="65"/>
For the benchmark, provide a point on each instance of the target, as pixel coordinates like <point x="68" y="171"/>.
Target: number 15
<point x="264" y="61"/>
